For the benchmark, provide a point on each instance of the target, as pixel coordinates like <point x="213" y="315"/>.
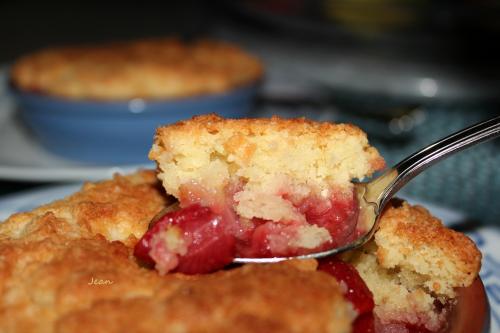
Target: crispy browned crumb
<point x="154" y="68"/>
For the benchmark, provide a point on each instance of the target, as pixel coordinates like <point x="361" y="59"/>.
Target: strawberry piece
<point x="210" y="244"/>
<point x="357" y="292"/>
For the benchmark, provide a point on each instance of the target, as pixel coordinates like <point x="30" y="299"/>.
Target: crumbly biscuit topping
<point x="270" y="158"/>
<point x="412" y="263"/>
<point x="150" y="69"/>
<point x="413" y="240"/>
<point x="119" y="209"/>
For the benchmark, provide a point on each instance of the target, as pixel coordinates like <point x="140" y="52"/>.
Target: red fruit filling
<point x="339" y="216"/>
<point x="191" y="240"/>
<point x="206" y="233"/>
<point x="365" y="324"/>
<point x="356" y="290"/>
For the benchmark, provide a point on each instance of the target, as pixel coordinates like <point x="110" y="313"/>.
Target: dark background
<point x="457" y="39"/>
<point x="29" y="25"/>
<point x="462" y="29"/>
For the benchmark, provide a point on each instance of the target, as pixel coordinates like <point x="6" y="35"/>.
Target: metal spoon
<point x="375" y="194"/>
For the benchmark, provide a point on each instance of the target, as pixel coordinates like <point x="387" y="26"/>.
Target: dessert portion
<point x="413" y="267"/>
<point x="69" y="267"/>
<point x="152" y="69"/>
<point x="255" y="188"/>
<point x="227" y="188"/>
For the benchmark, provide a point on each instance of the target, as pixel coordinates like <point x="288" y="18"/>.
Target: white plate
<point x="22" y="157"/>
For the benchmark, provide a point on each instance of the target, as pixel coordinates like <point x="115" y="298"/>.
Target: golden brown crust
<point x="46" y="287"/>
<point x="46" y="279"/>
<point x="420" y="228"/>
<point x="323" y="132"/>
<point x="213" y="123"/>
<point x="49" y="256"/>
<point x="153" y="69"/>
<point x="273" y="298"/>
<point x="263" y="159"/>
<point x="119" y="209"/>
<point x="414" y="263"/>
<point x="267" y="155"/>
<point x="428" y="247"/>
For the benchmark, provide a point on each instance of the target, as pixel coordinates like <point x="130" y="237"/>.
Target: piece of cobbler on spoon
<point x="255" y="188"/>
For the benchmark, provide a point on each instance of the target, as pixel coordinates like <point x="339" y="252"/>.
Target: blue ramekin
<point x="117" y="132"/>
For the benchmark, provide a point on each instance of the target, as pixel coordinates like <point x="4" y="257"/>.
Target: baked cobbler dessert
<point x="255" y="188"/>
<point x="151" y="69"/>
<point x="69" y="266"/>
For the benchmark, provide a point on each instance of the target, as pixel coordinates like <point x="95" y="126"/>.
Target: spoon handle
<point x="414" y="164"/>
